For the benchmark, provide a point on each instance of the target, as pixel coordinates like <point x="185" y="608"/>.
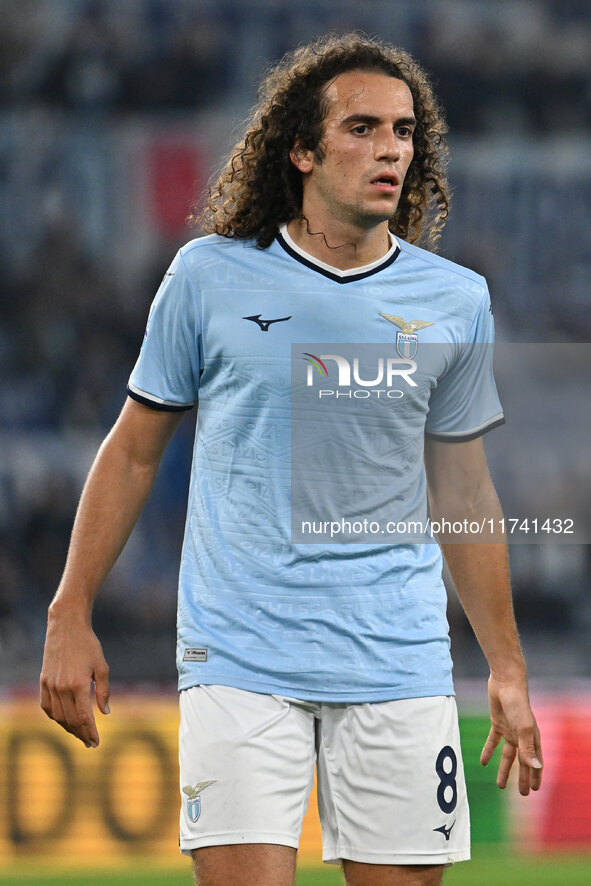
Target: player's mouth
<point x="387" y="182"/>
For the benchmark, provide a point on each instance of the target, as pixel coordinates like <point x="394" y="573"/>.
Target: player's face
<point x="367" y="146"/>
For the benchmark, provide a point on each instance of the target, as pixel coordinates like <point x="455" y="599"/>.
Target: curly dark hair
<point x="260" y="188"/>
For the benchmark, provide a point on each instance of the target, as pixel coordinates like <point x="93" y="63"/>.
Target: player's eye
<point x="405" y="131"/>
<point x="360" y="129"/>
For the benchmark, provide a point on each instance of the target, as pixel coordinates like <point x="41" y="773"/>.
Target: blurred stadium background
<point x="113" y="115"/>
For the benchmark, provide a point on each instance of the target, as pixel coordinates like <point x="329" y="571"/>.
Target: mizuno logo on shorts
<point x="444" y="830"/>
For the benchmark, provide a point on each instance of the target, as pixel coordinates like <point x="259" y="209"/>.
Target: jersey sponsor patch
<point x="195" y="655"/>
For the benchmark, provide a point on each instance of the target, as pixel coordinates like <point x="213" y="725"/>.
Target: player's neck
<point x="339" y="244"/>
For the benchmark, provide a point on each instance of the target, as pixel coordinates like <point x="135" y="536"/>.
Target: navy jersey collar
<point x="287" y="243"/>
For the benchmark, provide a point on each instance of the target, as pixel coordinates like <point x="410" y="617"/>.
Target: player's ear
<point x="302" y="158"/>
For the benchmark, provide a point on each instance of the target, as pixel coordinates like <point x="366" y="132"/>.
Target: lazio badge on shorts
<point x="194" y="798"/>
<point x="407" y="340"/>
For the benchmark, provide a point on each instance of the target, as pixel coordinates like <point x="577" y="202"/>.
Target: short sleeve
<point x="166" y="375"/>
<point x="465" y="403"/>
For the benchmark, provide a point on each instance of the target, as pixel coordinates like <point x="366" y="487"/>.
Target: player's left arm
<point x="460" y="488"/>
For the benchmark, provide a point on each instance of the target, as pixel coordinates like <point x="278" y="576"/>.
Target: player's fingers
<point x="536" y="778"/>
<point x="529" y="778"/>
<point x="506" y="762"/>
<point x="49" y="699"/>
<point x="45" y="699"/>
<point x="86" y="729"/>
<point x="524" y="779"/>
<point x="54" y="708"/>
<point x="529" y="747"/>
<point x="52" y="705"/>
<point x="490" y="746"/>
<point x="79" y="719"/>
<point x="530" y="760"/>
<point x="537" y="771"/>
<point x="101" y="686"/>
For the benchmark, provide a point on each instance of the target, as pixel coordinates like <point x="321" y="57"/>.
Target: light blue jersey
<point x="327" y="622"/>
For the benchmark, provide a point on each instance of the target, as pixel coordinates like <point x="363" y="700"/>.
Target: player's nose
<point x="387" y="145"/>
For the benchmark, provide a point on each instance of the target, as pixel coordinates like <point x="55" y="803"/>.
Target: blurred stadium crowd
<point x="110" y="112"/>
<point x="521" y="64"/>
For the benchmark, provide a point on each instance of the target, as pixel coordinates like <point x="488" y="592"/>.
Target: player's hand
<point x="74" y="669"/>
<point x="512" y="719"/>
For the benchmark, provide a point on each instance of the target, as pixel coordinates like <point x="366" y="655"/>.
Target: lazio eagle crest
<point x="194" y="798"/>
<point x="407" y="340"/>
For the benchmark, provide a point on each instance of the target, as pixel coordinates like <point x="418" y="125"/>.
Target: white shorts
<point x="390" y="777"/>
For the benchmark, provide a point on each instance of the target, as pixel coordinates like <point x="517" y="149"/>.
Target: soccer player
<point x="291" y="654"/>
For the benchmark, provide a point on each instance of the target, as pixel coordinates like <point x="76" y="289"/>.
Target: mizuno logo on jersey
<point x="264" y="324"/>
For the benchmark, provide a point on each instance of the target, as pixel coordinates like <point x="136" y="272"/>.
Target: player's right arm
<point x="117" y="487"/>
